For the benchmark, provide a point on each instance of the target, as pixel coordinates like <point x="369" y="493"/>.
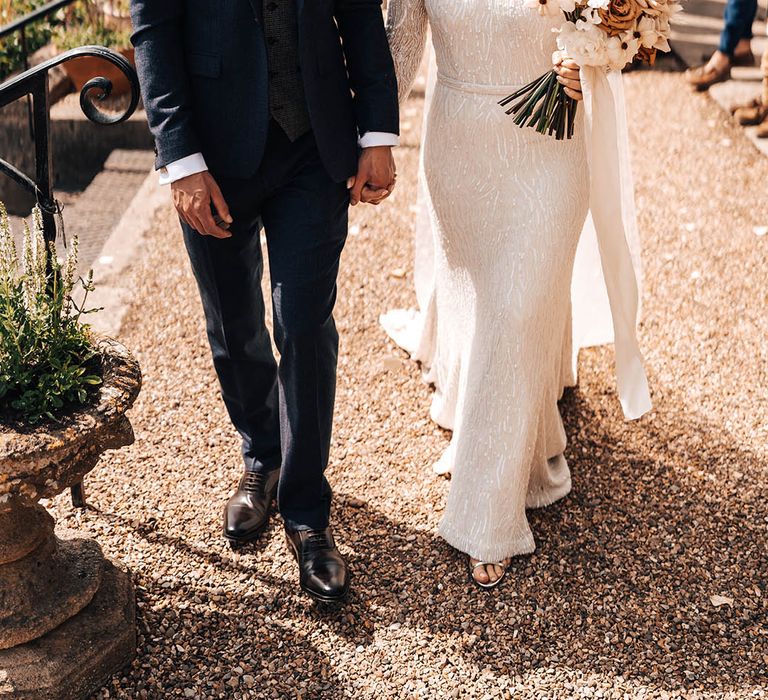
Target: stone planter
<point x="67" y="616"/>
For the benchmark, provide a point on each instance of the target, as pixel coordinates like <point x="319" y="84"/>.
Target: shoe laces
<point x="254" y="482"/>
<point x="316" y="540"/>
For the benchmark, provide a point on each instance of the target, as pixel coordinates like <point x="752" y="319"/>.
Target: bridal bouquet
<point x="607" y="34"/>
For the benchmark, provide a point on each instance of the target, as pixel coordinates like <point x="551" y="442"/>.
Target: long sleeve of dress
<point x="407" y="34"/>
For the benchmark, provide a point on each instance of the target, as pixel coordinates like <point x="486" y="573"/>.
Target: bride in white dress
<point x="507" y="207"/>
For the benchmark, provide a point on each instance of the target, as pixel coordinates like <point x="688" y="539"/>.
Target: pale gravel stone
<point x="615" y="603"/>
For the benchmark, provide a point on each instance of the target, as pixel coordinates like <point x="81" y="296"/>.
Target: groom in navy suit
<point x="272" y="114"/>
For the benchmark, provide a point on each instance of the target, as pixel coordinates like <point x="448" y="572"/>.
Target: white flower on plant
<point x="8" y="257"/>
<point x="34" y="265"/>
<point x="598" y="4"/>
<point x="587" y="45"/>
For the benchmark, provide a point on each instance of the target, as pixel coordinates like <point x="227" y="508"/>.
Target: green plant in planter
<point x="84" y="25"/>
<point x="37" y="34"/>
<point x="47" y="357"/>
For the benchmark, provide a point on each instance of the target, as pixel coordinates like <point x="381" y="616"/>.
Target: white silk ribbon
<point x="611" y="201"/>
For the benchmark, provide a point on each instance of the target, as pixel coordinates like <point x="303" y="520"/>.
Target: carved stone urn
<point x="67" y="616"/>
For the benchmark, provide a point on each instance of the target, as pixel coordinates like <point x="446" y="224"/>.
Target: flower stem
<point x="543" y="105"/>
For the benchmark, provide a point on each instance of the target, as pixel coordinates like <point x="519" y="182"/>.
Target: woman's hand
<point x="568" y="75"/>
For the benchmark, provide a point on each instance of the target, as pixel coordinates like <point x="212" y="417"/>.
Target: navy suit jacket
<point x="202" y="65"/>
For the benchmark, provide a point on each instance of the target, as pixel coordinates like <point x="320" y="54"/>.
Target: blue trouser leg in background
<point x="739" y="16"/>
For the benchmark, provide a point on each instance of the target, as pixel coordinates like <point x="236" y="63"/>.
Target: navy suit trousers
<point x="283" y="410"/>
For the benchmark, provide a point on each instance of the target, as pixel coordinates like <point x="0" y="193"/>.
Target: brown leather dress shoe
<point x="247" y="513"/>
<point x="702" y="77"/>
<point x="751" y="115"/>
<point x="740" y="58"/>
<point x="756" y="102"/>
<point x="323" y="573"/>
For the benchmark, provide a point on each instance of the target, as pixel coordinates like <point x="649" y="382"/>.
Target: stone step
<point x="79" y="147"/>
<point x="696" y="34"/>
<point x="696" y="30"/>
<point x="96" y="212"/>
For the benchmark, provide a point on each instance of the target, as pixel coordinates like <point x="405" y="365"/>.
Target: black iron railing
<point x="33" y="84"/>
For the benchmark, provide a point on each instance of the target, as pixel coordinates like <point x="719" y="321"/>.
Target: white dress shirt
<point x="196" y="163"/>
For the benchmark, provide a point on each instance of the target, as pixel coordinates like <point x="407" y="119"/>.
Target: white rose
<point x="585" y="45"/>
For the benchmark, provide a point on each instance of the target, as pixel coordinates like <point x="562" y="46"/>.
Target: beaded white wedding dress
<point x="506" y="207"/>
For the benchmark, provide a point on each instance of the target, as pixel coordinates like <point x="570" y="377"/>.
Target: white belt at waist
<point x="477" y="88"/>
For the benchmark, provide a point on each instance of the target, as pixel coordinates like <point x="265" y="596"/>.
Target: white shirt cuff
<point x="371" y="139"/>
<point x="182" y="168"/>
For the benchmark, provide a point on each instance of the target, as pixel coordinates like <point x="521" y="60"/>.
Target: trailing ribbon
<point x="611" y="201"/>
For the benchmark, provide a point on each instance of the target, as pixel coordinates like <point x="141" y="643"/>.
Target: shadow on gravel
<point x="620" y="585"/>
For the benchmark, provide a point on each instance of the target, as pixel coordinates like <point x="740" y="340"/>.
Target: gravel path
<point x="618" y="600"/>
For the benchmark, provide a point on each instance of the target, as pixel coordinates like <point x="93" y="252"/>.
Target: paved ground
<point x="618" y="600"/>
<point x="92" y="215"/>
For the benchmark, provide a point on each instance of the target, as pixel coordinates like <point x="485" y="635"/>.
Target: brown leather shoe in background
<point x="745" y="59"/>
<point x="751" y="115"/>
<point x="703" y="77"/>
<point x="762" y="129"/>
<point x="752" y="103"/>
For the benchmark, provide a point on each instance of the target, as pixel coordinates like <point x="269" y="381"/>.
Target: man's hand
<point x="375" y="177"/>
<point x="193" y="195"/>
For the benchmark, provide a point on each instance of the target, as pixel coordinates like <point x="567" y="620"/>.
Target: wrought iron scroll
<point x="34" y="83"/>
